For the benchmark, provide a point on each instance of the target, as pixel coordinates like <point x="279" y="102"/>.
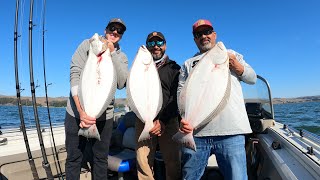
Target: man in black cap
<point x="166" y="124"/>
<point x="77" y="118"/>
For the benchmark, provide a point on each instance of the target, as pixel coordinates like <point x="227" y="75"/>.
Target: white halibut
<point x="97" y="85"/>
<point x="205" y="93"/>
<point x="144" y="90"/>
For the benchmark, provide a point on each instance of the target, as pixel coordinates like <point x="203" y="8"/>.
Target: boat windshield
<point x="259" y="93"/>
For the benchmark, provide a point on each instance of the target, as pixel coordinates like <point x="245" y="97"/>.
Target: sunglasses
<point x="155" y="43"/>
<point x="113" y="28"/>
<point x="204" y="32"/>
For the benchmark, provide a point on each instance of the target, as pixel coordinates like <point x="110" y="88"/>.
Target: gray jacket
<point x="233" y="118"/>
<point x="79" y="59"/>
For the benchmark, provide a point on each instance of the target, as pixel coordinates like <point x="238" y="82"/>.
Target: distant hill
<point x="27" y="101"/>
<point x="11" y="100"/>
<point x="296" y="100"/>
<point x="60" y="101"/>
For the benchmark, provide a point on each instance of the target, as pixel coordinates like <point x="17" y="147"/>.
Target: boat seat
<point x="254" y="110"/>
<point x="122" y="155"/>
<point x="259" y="118"/>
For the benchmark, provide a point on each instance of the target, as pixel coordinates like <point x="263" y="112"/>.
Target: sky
<point x="280" y="39"/>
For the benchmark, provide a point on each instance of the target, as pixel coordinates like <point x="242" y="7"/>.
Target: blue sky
<point x="280" y="39"/>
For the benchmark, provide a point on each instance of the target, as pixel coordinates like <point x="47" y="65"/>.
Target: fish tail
<point x="145" y="132"/>
<point x="144" y="136"/>
<point x="185" y="139"/>
<point x="90" y="132"/>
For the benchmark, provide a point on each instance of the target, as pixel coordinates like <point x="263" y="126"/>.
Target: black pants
<point x="76" y="145"/>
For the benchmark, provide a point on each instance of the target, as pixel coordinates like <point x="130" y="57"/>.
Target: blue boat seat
<point x="122" y="155"/>
<point x="124" y="160"/>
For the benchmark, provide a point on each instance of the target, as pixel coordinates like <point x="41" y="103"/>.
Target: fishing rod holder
<point x="3" y="141"/>
<point x="310" y="150"/>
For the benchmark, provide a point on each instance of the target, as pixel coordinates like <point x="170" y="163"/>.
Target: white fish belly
<point x="207" y="88"/>
<point x="144" y="87"/>
<point x="98" y="84"/>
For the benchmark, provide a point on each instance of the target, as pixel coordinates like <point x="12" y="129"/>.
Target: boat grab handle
<point x="3" y="141"/>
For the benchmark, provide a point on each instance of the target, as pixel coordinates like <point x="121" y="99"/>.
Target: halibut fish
<point x="144" y="90"/>
<point x="97" y="84"/>
<point x="205" y="93"/>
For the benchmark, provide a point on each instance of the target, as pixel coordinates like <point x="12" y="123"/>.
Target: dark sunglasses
<point x="113" y="28"/>
<point x="204" y="32"/>
<point x="155" y="43"/>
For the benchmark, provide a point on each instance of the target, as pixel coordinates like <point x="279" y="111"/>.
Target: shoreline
<point x="41" y="101"/>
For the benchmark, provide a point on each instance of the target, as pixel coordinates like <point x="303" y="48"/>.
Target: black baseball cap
<point x="155" y="34"/>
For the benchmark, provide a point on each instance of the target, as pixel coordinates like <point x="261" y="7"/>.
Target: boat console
<point x="260" y="119"/>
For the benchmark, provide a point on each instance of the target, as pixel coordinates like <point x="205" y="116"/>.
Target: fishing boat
<point x="15" y="161"/>
<point x="274" y="150"/>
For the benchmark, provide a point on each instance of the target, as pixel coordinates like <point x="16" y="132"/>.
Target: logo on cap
<point x="201" y="22"/>
<point x="154" y="33"/>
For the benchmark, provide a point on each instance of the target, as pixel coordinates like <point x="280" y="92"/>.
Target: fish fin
<point x="185" y="139"/>
<point x="90" y="132"/>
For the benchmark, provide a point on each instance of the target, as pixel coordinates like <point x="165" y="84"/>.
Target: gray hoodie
<point x="79" y="59"/>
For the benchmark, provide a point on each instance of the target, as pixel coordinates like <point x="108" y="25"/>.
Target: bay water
<point x="297" y="115"/>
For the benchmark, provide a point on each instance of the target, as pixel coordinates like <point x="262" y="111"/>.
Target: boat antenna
<point x="45" y="163"/>
<point x="18" y="91"/>
<point x="56" y="157"/>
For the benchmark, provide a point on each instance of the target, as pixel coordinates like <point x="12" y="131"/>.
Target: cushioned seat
<point x="122" y="156"/>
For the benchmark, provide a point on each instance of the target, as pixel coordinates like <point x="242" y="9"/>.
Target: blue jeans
<point x="229" y="151"/>
<point x="76" y="148"/>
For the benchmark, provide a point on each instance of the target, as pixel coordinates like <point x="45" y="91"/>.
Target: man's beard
<point x="157" y="56"/>
<point x="206" y="46"/>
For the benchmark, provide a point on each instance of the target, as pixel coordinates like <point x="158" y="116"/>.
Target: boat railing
<point x="44" y="127"/>
<point x="304" y="133"/>
<point x="269" y="93"/>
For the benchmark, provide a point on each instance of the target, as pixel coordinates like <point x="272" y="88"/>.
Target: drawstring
<point x="158" y="65"/>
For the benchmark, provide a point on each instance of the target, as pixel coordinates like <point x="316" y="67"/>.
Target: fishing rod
<point x="57" y="161"/>
<point x="45" y="163"/>
<point x="18" y="90"/>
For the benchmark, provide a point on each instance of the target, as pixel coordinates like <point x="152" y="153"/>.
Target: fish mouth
<point x="146" y="60"/>
<point x="144" y="47"/>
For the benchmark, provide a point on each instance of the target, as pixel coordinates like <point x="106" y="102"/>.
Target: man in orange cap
<point x="224" y="136"/>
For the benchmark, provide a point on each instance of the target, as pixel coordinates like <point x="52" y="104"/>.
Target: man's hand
<point x="107" y="44"/>
<point x="85" y="120"/>
<point x="185" y="127"/>
<point x="158" y="128"/>
<point x="234" y="64"/>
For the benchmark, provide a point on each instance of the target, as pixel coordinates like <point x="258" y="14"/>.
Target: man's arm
<point x="77" y="64"/>
<point x="248" y="75"/>
<point x="120" y="62"/>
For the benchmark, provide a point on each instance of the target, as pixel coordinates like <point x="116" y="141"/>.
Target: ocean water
<point x="297" y="115"/>
<point x="9" y="116"/>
